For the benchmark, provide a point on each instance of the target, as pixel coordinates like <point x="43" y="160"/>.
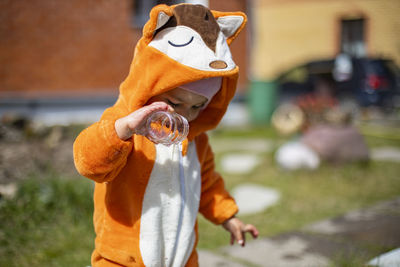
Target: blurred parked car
<point x="369" y="81"/>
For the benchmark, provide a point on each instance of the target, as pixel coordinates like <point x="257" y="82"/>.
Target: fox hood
<point x="182" y="44"/>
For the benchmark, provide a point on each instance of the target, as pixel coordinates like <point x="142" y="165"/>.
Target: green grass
<point x="49" y="223"/>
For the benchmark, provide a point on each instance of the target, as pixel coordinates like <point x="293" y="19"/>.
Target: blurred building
<point x="76" y="53"/>
<point x="287" y="33"/>
<point x="292" y="32"/>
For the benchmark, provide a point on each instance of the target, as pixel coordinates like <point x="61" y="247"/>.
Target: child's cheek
<point x="192" y="115"/>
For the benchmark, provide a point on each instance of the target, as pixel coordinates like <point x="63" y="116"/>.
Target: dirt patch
<point x="27" y="149"/>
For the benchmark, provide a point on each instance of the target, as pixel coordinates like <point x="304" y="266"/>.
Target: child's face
<point x="185" y="103"/>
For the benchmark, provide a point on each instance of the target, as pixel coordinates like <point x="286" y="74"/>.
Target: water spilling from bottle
<point x="166" y="128"/>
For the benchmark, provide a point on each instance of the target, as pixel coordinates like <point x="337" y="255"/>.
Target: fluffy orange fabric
<point x="121" y="169"/>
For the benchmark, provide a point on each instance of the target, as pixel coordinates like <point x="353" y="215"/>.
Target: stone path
<point x="367" y="233"/>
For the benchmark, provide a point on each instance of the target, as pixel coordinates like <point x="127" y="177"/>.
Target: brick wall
<point x="49" y="46"/>
<point x="72" y="47"/>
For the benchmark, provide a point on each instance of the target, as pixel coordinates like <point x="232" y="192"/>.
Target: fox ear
<point x="159" y="15"/>
<point x="229" y="25"/>
<point x="162" y="18"/>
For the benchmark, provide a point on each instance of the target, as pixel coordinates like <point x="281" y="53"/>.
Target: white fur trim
<point x="186" y="46"/>
<point x="162" y="208"/>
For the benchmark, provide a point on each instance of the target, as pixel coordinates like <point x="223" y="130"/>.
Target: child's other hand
<point x="127" y="126"/>
<point x="238" y="230"/>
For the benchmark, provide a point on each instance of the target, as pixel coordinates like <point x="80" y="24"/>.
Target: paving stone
<point x="209" y="259"/>
<point x="389" y="259"/>
<point x="290" y="252"/>
<point x="255" y="145"/>
<point x="239" y="163"/>
<point x="252" y="198"/>
<point x="296" y="155"/>
<point x="385" y="154"/>
<point x="377" y="225"/>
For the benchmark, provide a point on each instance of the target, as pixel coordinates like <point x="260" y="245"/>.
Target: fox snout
<point x="218" y="64"/>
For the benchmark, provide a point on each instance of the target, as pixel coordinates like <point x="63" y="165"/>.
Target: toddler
<point x="147" y="196"/>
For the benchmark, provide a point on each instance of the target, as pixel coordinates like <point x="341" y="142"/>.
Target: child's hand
<point x="238" y="229"/>
<point x="127" y="126"/>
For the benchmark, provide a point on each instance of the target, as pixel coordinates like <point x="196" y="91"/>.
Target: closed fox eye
<point x="180" y="45"/>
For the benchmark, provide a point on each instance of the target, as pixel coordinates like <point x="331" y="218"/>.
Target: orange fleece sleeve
<point x="99" y="153"/>
<point x="216" y="204"/>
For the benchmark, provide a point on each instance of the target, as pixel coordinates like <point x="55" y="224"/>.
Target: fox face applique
<point x="193" y="37"/>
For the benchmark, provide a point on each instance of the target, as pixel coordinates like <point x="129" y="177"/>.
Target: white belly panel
<point x="168" y="214"/>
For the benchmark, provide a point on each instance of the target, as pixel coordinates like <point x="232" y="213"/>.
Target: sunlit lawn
<point x="50" y="224"/>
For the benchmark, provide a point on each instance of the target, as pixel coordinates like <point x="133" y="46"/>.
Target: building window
<point x="141" y="10"/>
<point x="352" y="37"/>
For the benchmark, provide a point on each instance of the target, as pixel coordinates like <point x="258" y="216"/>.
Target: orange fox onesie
<point x="145" y="215"/>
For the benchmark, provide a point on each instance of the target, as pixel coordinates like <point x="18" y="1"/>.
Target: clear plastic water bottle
<point x="165" y="128"/>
